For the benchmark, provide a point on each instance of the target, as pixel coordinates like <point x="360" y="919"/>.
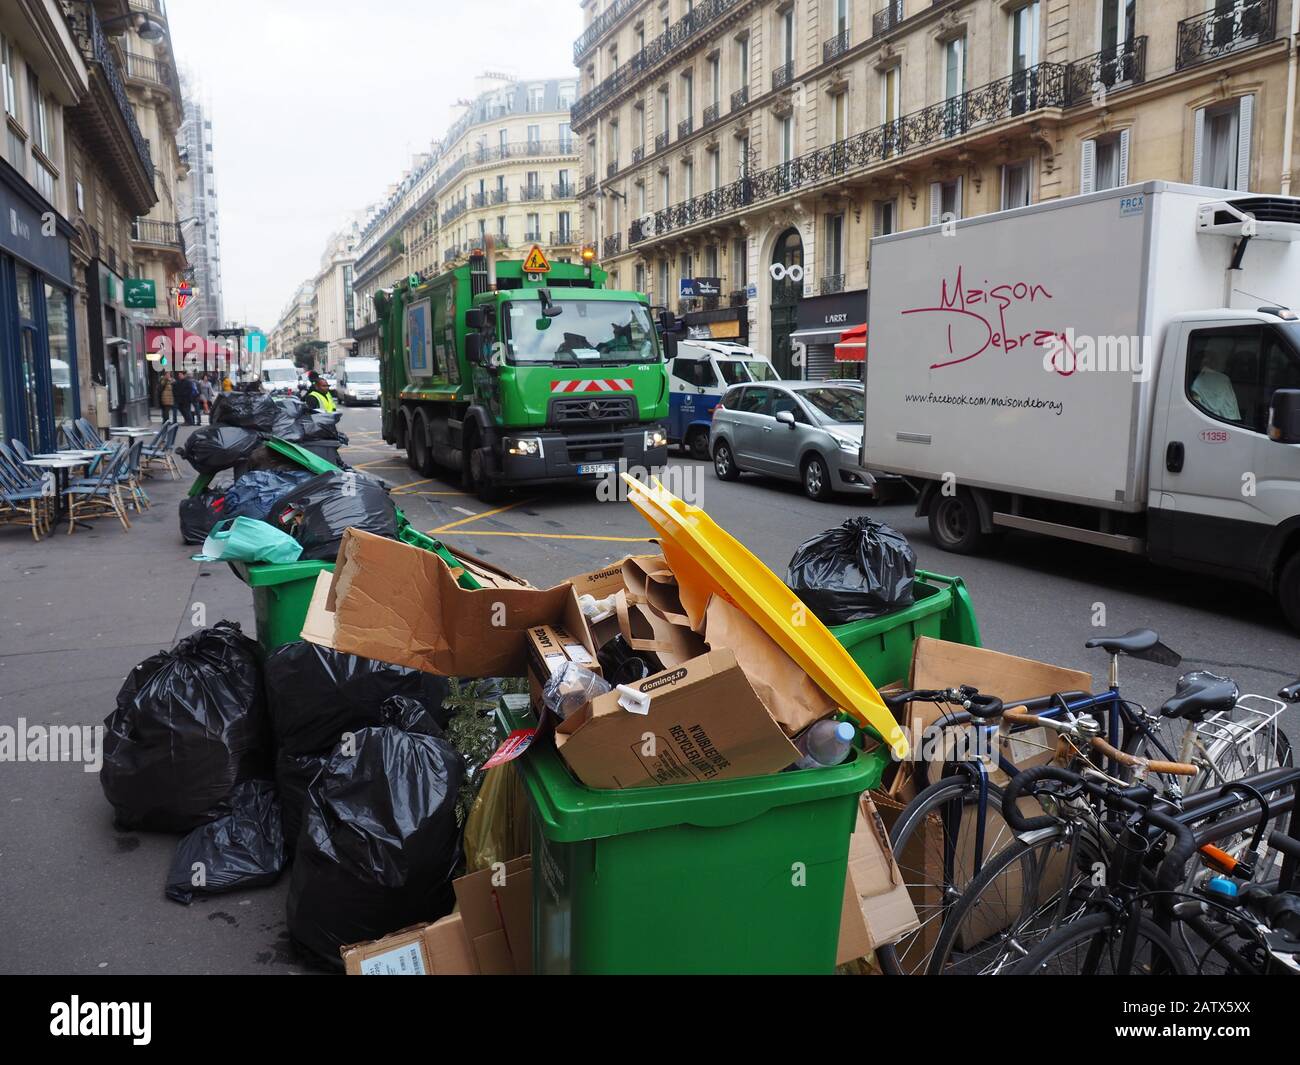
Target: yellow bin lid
<point x="707" y="560"/>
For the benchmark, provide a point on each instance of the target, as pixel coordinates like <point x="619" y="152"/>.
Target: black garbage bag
<point x="255" y="493"/>
<point x="243" y="848"/>
<point x="293" y="776"/>
<point x="214" y="448"/>
<point x="860" y="570"/>
<point x="199" y="513"/>
<point x="317" y="512"/>
<point x="327" y="450"/>
<point x="246" y="410"/>
<point x="380" y="842"/>
<point x="314" y="695"/>
<point x="190" y="724"/>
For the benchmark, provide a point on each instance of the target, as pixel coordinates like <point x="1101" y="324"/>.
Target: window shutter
<point x="1123" y="157"/>
<point x="1245" y="117"/>
<point x="936" y="202"/>
<point x="878" y="220"/>
<point x="1002" y="192"/>
<point x="1198" y="145"/>
<point x="1088" y="167"/>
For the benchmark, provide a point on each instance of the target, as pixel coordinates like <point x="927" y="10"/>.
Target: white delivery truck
<point x="279" y="377"/>
<point x="359" y="381"/>
<point x="1119" y="368"/>
<point x="699" y="372"/>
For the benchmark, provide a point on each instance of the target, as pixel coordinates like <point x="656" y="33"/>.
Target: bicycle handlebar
<point x="1178" y="769"/>
<point x="971" y="701"/>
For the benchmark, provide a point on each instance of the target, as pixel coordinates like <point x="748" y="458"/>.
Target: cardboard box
<point x="550" y="646"/>
<point x="705" y="723"/>
<point x="396" y="603"/>
<point x="645" y="629"/>
<point x="490" y="933"/>
<point x="877" y="907"/>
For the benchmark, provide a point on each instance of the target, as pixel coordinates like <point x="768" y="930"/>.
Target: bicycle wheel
<point x="1090" y="946"/>
<point x="940" y="820"/>
<point x="1020" y="896"/>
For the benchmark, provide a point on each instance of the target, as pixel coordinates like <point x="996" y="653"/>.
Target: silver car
<point x="805" y="431"/>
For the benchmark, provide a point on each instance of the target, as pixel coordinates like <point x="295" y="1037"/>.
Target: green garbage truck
<point x="521" y="373"/>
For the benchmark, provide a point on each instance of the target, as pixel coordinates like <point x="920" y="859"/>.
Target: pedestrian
<point x="226" y="384"/>
<point x="318" y="394"/>
<point x="183" y="394"/>
<point x="207" y="393"/>
<point x="167" y="399"/>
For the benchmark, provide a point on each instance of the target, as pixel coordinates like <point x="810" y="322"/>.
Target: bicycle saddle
<point x="1140" y="643"/>
<point x="1198" y="694"/>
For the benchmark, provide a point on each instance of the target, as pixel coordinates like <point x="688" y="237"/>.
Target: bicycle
<point x="1117" y="934"/>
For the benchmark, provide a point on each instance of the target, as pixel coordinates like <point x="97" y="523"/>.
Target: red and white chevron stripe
<point x="616" y="384"/>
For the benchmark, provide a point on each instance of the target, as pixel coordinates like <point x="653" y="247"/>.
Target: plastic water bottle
<point x="824" y="743"/>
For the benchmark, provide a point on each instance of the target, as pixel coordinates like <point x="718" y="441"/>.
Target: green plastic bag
<point x="248" y="540"/>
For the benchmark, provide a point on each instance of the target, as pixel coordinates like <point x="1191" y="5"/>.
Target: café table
<point x="59" y="466"/>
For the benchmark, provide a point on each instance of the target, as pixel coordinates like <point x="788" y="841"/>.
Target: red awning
<point x="853" y="345"/>
<point x="182" y="347"/>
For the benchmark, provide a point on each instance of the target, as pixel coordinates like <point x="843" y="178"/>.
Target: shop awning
<point x="852" y="346"/>
<point x="821" y="334"/>
<point x="181" y="345"/>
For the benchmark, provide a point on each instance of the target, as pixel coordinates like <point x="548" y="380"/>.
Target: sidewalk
<point x="79" y="896"/>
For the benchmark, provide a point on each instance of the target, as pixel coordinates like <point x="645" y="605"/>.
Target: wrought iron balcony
<point x="740" y="98"/>
<point x="684" y="127"/>
<point x="479" y="199"/>
<point x="611" y="168"/>
<point x="638" y="153"/>
<point x="836" y="46"/>
<point x="1213" y="34"/>
<point x="532" y="236"/>
<point x="710" y="115"/>
<point x="561" y="237"/>
<point x="661" y="141"/>
<point x="612" y="245"/>
<point x="1036" y="88"/>
<point x="449" y="254"/>
<point x="529" y="193"/>
<point x="1103" y="72"/>
<point x="887" y="18"/>
<point x="783" y="75"/>
<point x="153" y="231"/>
<point x="831" y="283"/>
<point x="563" y="190"/>
<point x="454" y="211"/>
<point x="588" y="182"/>
<point x="499" y="196"/>
<point x="599" y="25"/>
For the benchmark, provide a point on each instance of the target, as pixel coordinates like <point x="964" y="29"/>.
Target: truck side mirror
<point x="1284" y="416"/>
<point x="474" y="319"/>
<point x="473" y="348"/>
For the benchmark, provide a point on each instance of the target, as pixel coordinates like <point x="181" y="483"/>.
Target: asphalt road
<point x="77" y="613"/>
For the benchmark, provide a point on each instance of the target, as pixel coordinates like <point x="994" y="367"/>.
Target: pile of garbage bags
<point x="317" y="512"/>
<point x="346" y="769"/>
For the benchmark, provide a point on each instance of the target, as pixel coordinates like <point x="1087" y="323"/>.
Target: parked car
<point x="805" y="431"/>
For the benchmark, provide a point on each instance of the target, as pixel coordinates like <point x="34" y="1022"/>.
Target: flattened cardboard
<point x="637" y="571"/>
<point x="402" y="953"/>
<point x="884" y="905"/>
<point x="646" y="630"/>
<point x="401" y="604"/>
<point x="790" y="695"/>
<point x="706" y="723"/>
<point x="498" y="917"/>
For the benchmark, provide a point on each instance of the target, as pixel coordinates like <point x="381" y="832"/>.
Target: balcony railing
<point x="836" y="46"/>
<point x="664" y="46"/>
<point x="1112" y="68"/>
<point x="599" y="25"/>
<point x="710" y="115"/>
<point x="153" y="231"/>
<point x="562" y="236"/>
<point x="612" y="245"/>
<point x="611" y="168"/>
<point x="887" y="18"/>
<point x="479" y="199"/>
<point x="454" y="211"/>
<point x="500" y="196"/>
<point x="783" y="75"/>
<point x="532" y="236"/>
<point x="1209" y="36"/>
<point x="451" y="253"/>
<point x="740" y="98"/>
<point x="661" y="141"/>
<point x="145" y="68"/>
<point x="529" y="193"/>
<point x="1038" y="87"/>
<point x="95" y="48"/>
<point x="563" y="190"/>
<point x="588" y="182"/>
<point x="831" y="284"/>
<point x="684" y="127"/>
<point x="638" y="153"/>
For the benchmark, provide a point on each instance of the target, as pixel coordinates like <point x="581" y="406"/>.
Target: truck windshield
<point x="733" y="371"/>
<point x="835" y="405"/>
<point x="586" y="331"/>
<point x="363" y="377"/>
<point x="760" y="370"/>
<point x="281" y="377"/>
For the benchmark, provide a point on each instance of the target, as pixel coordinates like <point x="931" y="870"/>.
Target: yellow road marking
<point x="545" y="536"/>
<point x="401" y="488"/>
<point x="466" y="495"/>
<point x="485" y="514"/>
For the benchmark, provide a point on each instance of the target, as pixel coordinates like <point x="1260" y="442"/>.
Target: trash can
<point x="737" y="876"/>
<point x="281" y="595"/>
<point x="882" y="647"/>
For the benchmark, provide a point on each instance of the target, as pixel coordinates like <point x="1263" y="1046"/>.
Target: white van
<point x="698" y="375"/>
<point x="359" y="381"/>
<point x="279" y="377"/>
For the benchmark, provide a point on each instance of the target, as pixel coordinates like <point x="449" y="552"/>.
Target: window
<point x="534" y="137"/>
<point x="1015" y="185"/>
<point x="536" y="98"/>
<point x="889" y="95"/>
<point x="954" y="67"/>
<point x="883" y="221"/>
<point x="40" y="123"/>
<point x="640" y="198"/>
<point x="839" y="110"/>
<point x="695" y="372"/>
<point x="534" y="227"/>
<point x="1233" y="372"/>
<point x="566" y="137"/>
<point x="742" y="157"/>
<point x="742" y="62"/>
<point x="740" y="263"/>
<point x="785" y="137"/>
<point x="662" y="286"/>
<point x="715" y="169"/>
<point x="7" y="73"/>
<point x="665" y="191"/>
<point x="1221" y="152"/>
<point x="502" y="141"/>
<point x="501" y="225"/>
<point x="566" y="227"/>
<point x="841" y="15"/>
<point x="688" y="179"/>
<point x="687" y="263"/>
<point x="711" y="261"/>
<point x="715" y="79"/>
<point x="786" y="34"/>
<point x="833" y="251"/>
<point x="945" y="201"/>
<point x="755" y="400"/>
<point x="1024" y="37"/>
<point x="665" y="114"/>
<point x="1104" y="164"/>
<point x="638" y="276"/>
<point x="688" y="95"/>
<point x="611" y="148"/>
<point x="1117" y="20"/>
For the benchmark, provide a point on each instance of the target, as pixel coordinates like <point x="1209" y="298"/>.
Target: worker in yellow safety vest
<point x="319" y="397"/>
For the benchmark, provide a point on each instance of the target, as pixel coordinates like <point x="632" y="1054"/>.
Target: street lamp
<point x="147" y="27"/>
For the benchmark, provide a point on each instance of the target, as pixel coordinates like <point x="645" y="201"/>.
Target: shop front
<point x="822" y="321"/>
<point x="38" y="385"/>
<point x="117" y="346"/>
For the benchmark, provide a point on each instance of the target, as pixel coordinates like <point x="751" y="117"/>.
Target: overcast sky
<point x="318" y="105"/>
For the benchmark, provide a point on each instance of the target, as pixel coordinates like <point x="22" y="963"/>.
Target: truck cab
<point x="279" y="377"/>
<point x="698" y="375"/>
<point x="359" y="381"/>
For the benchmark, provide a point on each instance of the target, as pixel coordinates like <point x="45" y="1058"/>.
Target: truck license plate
<point x="597" y="467"/>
